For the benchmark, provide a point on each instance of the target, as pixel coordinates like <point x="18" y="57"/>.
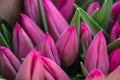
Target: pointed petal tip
<point x="72" y="28"/>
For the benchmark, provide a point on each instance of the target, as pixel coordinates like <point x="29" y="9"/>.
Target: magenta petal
<point x="95" y="74"/>
<point x="115" y="33"/>
<point x="92" y="7"/>
<point x="48" y="49"/>
<point x="85" y="34"/>
<point x="9" y="64"/>
<point x="21" y="42"/>
<point x="33" y="31"/>
<point x="55" y="71"/>
<point x="32" y="68"/>
<point x="66" y="8"/>
<point x="114" y="59"/>
<point x="97" y="56"/>
<point x="32" y="10"/>
<point x="67" y="46"/>
<point x="56" y="22"/>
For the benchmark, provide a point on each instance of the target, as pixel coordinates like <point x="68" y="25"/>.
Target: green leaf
<point x="76" y="20"/>
<point x="113" y="45"/>
<point x="101" y="2"/>
<point x="94" y="26"/>
<point x="3" y="41"/>
<point x="85" y="72"/>
<point x="95" y="14"/>
<point x="43" y="16"/>
<point x="105" y="13"/>
<point x="6" y="35"/>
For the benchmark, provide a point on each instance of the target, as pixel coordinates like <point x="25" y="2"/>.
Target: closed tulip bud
<point x="33" y="31"/>
<point x="97" y="56"/>
<point x="31" y="68"/>
<point x="55" y="71"/>
<point x="48" y="49"/>
<point x="115" y="75"/>
<point x="95" y="74"/>
<point x="56" y="22"/>
<point x="115" y="12"/>
<point x="9" y="64"/>
<point x="115" y="33"/>
<point x="114" y="59"/>
<point x="66" y="8"/>
<point x="21" y="42"/>
<point x="67" y="46"/>
<point x="85" y="34"/>
<point x="32" y="10"/>
<point x="92" y="7"/>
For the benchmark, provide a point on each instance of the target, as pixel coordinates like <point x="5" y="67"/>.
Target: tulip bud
<point x="32" y="10"/>
<point x="92" y="7"/>
<point x="97" y="56"/>
<point x="115" y="33"/>
<point x="9" y="64"/>
<point x="115" y="13"/>
<point x="33" y="31"/>
<point x="114" y="59"/>
<point x="21" y="42"/>
<point x="67" y="46"/>
<point x="56" y="22"/>
<point x="66" y="8"/>
<point x="85" y="34"/>
<point x="115" y="75"/>
<point x="31" y="68"/>
<point x="48" y="49"/>
<point x="95" y="74"/>
<point x="54" y="70"/>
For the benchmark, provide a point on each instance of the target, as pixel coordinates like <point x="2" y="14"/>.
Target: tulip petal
<point x="20" y="38"/>
<point x="48" y="49"/>
<point x="56" y="22"/>
<point x="54" y="69"/>
<point x="96" y="56"/>
<point x="33" y="31"/>
<point x="9" y="64"/>
<point x="32" y="68"/>
<point x="67" y="46"/>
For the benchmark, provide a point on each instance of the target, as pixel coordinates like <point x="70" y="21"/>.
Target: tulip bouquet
<point x="62" y="40"/>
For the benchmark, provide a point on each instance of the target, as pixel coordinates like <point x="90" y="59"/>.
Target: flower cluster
<point x="50" y="43"/>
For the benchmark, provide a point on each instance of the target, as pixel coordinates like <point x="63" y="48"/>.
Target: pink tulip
<point x="32" y="68"/>
<point x="67" y="46"/>
<point x="9" y="64"/>
<point x="92" y="7"/>
<point x="114" y="59"/>
<point x="97" y="56"/>
<point x="33" y="31"/>
<point x="85" y="34"/>
<point x="32" y="10"/>
<point x="95" y="74"/>
<point x="21" y="42"/>
<point x="54" y="70"/>
<point x="48" y="49"/>
<point x="66" y="8"/>
<point x="56" y="22"/>
<point x="115" y="33"/>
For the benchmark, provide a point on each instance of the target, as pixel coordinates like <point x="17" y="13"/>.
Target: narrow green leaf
<point x="113" y="45"/>
<point x="106" y="13"/>
<point x="43" y="16"/>
<point x="102" y="14"/>
<point x="85" y="72"/>
<point x="101" y="2"/>
<point x="3" y="41"/>
<point x="6" y="34"/>
<point x="94" y="26"/>
<point x="76" y="20"/>
<point x="95" y="14"/>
